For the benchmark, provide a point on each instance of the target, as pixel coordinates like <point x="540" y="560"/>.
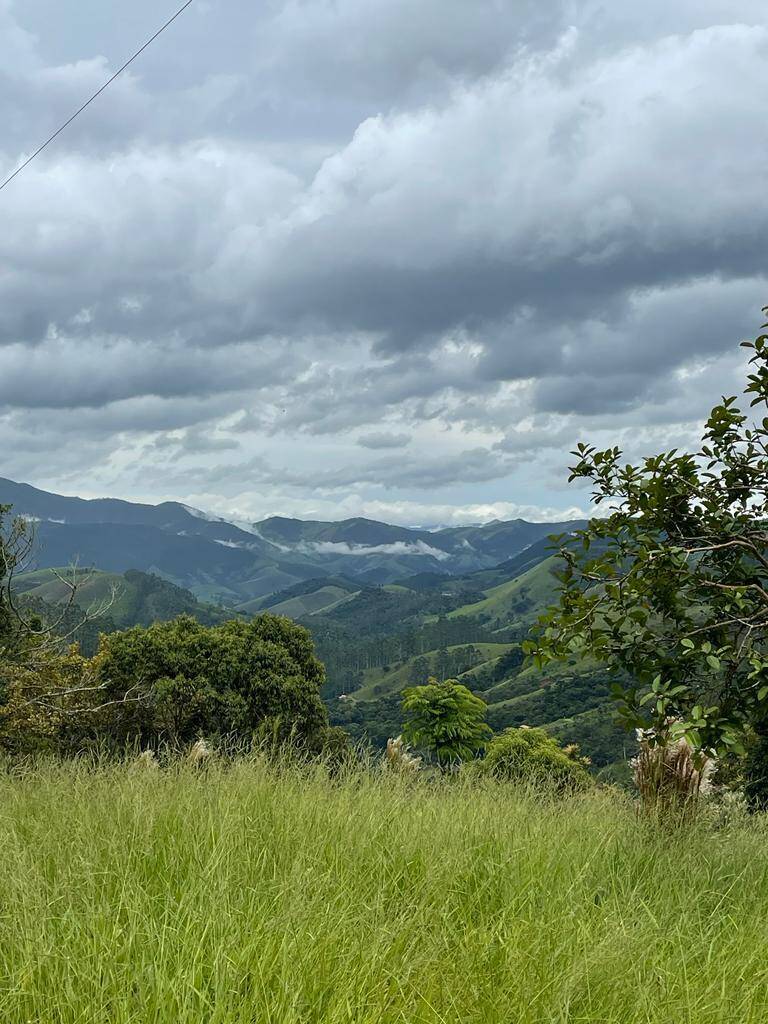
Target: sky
<point x="392" y="258"/>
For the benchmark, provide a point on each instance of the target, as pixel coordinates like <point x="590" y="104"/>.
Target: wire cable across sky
<point x="98" y="92"/>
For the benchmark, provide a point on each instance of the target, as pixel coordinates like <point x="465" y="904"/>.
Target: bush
<point x="532" y="756"/>
<point x="38" y="698"/>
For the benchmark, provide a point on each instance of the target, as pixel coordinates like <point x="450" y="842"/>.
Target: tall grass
<point x="244" y="895"/>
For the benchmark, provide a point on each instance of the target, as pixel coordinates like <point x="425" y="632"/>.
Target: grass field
<point x="324" y="599"/>
<point x="94" y="586"/>
<point x="236" y="895"/>
<point x="521" y="598"/>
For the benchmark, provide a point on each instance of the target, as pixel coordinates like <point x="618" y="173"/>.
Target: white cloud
<point x="400" y="547"/>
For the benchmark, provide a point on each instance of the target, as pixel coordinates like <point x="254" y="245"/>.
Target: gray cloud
<point x="299" y="230"/>
<point x="193" y="442"/>
<point x="476" y="466"/>
<point x="383" y="440"/>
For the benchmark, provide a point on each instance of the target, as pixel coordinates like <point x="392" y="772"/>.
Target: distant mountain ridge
<point x="233" y="564"/>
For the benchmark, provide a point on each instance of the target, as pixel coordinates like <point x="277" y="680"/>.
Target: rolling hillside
<point x="378" y="682"/>
<point x="129" y="599"/>
<point x="388" y="606"/>
<point x="310" y="597"/>
<point x="476" y="641"/>
<point x="518" y="600"/>
<point x="377" y="640"/>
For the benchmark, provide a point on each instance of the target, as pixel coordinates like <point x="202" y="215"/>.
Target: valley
<point x="387" y="606"/>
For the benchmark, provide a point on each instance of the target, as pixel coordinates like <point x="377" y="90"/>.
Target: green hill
<point x="324" y="599"/>
<point x="519" y="599"/>
<point x="381" y="641"/>
<point x="128" y="599"/>
<point x="375" y="641"/>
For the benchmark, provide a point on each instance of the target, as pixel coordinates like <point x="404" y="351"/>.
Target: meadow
<point x="246" y="894"/>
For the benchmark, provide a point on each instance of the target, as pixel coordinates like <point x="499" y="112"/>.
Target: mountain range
<point x="235" y="563"/>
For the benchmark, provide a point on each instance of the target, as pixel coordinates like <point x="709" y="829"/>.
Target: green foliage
<point x="499" y="669"/>
<point x="599" y="735"/>
<point x="131" y="599"/>
<point x="373" y="721"/>
<point x="237" y="679"/>
<point x="518" y="598"/>
<point x="446" y="719"/>
<point x="71" y="622"/>
<point x="447" y="663"/>
<point x="671" y="588"/>
<point x="755" y="767"/>
<point x="47" y="688"/>
<point x="365" y="642"/>
<point x="418" y="671"/>
<point x="533" y="757"/>
<point x="482" y="651"/>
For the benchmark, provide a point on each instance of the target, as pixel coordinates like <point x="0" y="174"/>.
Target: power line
<point x="98" y="92"/>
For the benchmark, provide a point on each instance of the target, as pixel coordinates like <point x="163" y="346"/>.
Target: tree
<point x="442" y="664"/>
<point x="533" y="757"/>
<point x="31" y="628"/>
<point x="419" y="671"/>
<point x="670" y="589"/>
<point x="43" y="699"/>
<point x="11" y="540"/>
<point x="43" y="681"/>
<point x="446" y="719"/>
<point x="235" y="679"/>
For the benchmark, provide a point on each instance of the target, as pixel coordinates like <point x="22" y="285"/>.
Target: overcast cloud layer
<point x="376" y="257"/>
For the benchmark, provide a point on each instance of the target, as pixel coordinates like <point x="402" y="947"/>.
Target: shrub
<point x="38" y="698"/>
<point x="534" y="757"/>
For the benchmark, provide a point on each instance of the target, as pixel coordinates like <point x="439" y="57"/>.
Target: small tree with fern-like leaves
<point x="445" y="719"/>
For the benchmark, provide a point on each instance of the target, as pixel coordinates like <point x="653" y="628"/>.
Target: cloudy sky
<point x="379" y="257"/>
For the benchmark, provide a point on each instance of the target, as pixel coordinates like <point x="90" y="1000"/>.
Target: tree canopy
<point x="234" y="679"/>
<point x="670" y="588"/>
